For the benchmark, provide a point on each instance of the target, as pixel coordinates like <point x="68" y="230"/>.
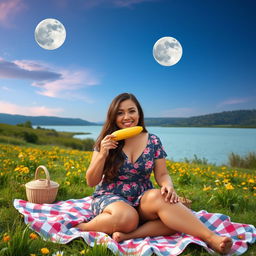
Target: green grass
<point x="20" y="135"/>
<point x="213" y="188"/>
<point x="248" y="161"/>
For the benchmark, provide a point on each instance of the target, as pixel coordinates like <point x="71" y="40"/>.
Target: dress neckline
<point x="133" y="163"/>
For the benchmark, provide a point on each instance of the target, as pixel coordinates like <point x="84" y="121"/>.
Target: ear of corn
<point x="127" y="132"/>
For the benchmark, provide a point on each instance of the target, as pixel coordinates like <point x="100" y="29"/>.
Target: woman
<point x="125" y="197"/>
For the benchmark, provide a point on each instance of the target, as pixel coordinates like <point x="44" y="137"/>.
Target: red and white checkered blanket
<point x="56" y="222"/>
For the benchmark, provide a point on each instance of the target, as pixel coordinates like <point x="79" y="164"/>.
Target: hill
<point x="42" y="120"/>
<point x="237" y="118"/>
<point x="24" y="135"/>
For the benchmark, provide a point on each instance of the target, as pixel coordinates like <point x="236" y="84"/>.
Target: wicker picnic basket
<point x="41" y="191"/>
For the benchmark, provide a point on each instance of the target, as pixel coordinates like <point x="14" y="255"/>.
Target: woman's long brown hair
<point x="115" y="157"/>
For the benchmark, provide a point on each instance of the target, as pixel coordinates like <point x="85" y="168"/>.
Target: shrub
<point x="27" y="124"/>
<point x="196" y="160"/>
<point x="30" y="137"/>
<point x="88" y="144"/>
<point x="248" y="161"/>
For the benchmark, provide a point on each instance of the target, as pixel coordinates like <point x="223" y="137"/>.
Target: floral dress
<point x="133" y="178"/>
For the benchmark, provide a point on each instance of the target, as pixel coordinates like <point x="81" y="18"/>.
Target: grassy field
<point x="22" y="135"/>
<point x="231" y="191"/>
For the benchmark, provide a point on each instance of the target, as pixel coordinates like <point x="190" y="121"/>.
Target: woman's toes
<point x="118" y="236"/>
<point x="226" y="245"/>
<point x="81" y="226"/>
<point x="221" y="244"/>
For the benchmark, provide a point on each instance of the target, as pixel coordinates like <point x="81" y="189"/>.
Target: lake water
<point x="214" y="144"/>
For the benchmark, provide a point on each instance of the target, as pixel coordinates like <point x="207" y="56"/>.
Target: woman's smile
<point x="127" y="114"/>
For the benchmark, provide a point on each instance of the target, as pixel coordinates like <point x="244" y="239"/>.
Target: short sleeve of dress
<point x="159" y="151"/>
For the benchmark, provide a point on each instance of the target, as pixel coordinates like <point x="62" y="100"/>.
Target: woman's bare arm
<point x="95" y="170"/>
<point x="164" y="180"/>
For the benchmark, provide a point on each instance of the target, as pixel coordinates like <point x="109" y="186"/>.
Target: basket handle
<point x="46" y="173"/>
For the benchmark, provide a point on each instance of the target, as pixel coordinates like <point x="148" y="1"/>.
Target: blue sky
<point x="108" y="50"/>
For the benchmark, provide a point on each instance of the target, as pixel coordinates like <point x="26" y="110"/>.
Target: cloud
<point x="115" y="3"/>
<point x="50" y="81"/>
<point x="129" y="3"/>
<point x="9" y="9"/>
<point x="178" y="112"/>
<point x="10" y="108"/>
<point x="233" y="101"/>
<point x="70" y="81"/>
<point x="26" y="71"/>
<point x="5" y="88"/>
<point x="30" y="65"/>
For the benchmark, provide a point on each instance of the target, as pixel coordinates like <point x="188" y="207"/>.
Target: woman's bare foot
<point x="119" y="236"/>
<point x="81" y="226"/>
<point x="220" y="244"/>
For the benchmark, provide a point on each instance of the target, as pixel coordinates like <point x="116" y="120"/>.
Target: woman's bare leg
<point x="150" y="228"/>
<point x="178" y="217"/>
<point x="118" y="216"/>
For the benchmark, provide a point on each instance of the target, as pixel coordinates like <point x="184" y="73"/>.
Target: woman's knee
<point x="153" y="196"/>
<point x="126" y="218"/>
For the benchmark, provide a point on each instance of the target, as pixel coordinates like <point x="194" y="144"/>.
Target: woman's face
<point x="127" y="114"/>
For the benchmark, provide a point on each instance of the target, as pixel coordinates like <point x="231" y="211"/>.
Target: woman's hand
<point x="106" y="144"/>
<point x="170" y="195"/>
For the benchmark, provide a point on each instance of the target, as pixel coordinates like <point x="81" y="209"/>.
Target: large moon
<point x="50" y="34"/>
<point x="167" y="51"/>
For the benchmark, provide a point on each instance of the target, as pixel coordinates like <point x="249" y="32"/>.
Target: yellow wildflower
<point x="83" y="252"/>
<point x="44" y="251"/>
<point x="33" y="236"/>
<point x="6" y="238"/>
<point x="207" y="188"/>
<point x="20" y="155"/>
<point x="229" y="186"/>
<point x="251" y="181"/>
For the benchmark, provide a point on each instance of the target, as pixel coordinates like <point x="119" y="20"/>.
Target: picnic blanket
<point x="56" y="222"/>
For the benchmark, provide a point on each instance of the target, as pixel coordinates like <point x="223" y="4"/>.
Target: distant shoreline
<point x="163" y="126"/>
<point x="226" y="119"/>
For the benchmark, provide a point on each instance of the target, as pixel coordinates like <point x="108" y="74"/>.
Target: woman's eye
<point x="119" y="113"/>
<point x="132" y="111"/>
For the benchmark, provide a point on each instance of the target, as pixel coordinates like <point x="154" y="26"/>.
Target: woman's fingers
<point x="171" y="195"/>
<point x="167" y="192"/>
<point x="108" y="142"/>
<point x="163" y="190"/>
<point x="174" y="197"/>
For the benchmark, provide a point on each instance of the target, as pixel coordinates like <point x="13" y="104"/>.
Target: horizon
<point x="99" y="122"/>
<point x="109" y="50"/>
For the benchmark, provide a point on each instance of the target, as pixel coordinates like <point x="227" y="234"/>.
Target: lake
<point x="214" y="144"/>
